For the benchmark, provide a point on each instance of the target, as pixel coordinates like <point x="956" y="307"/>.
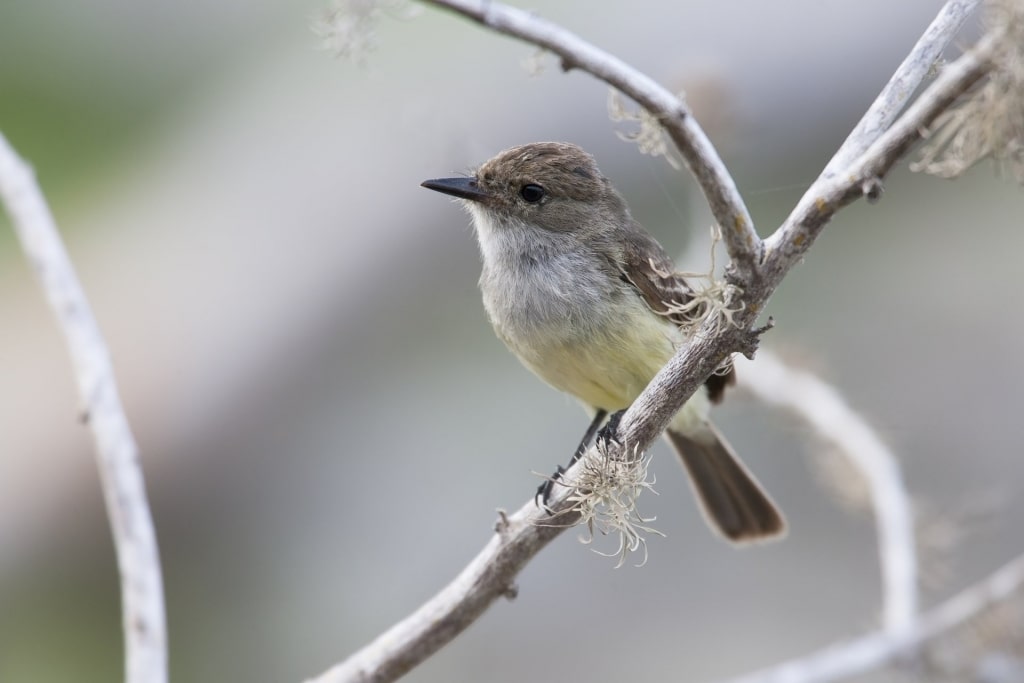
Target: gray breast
<point x="548" y="297"/>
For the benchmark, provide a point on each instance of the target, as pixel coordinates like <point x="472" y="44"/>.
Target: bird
<point x="591" y="303"/>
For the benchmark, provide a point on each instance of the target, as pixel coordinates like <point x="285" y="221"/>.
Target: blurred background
<point x="326" y="420"/>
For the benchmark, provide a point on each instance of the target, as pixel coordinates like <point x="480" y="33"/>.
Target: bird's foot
<point x="610" y="431"/>
<point x="546" y="487"/>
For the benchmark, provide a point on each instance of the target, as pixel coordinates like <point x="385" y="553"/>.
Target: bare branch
<point x="898" y="91"/>
<point x="787" y="245"/>
<point x="852" y="658"/>
<point x="701" y="158"/>
<point x="821" y="406"/>
<point x="117" y="455"/>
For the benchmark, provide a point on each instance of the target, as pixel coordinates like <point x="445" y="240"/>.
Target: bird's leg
<point x="610" y="431"/>
<point x="544" y="490"/>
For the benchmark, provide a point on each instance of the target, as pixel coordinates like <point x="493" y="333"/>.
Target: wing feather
<point x="650" y="271"/>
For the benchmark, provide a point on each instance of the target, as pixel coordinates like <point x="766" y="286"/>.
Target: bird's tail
<point x="732" y="500"/>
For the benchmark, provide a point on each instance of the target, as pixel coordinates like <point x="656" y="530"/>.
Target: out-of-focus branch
<point x="832" y="419"/>
<point x="869" y="653"/>
<point x="716" y="183"/>
<point x="117" y="455"/>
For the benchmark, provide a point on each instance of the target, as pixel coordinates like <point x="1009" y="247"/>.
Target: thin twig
<point x="727" y="206"/>
<point x="901" y="87"/>
<point x="117" y="455"/>
<point x="787" y="245"/>
<point x="845" y="660"/>
<point x="821" y="406"/>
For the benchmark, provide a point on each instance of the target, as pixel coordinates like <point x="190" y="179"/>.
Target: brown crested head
<point x="560" y="169"/>
<point x="554" y="186"/>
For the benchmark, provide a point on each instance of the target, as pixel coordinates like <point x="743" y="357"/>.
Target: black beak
<point x="463" y="188"/>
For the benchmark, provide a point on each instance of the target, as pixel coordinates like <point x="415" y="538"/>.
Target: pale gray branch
<point x="862" y="178"/>
<point x="117" y="455"/>
<point x="908" y="77"/>
<point x="701" y="158"/>
<point x="871" y="652"/>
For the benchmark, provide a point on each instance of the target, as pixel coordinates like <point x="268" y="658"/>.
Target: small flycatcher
<point x="584" y="297"/>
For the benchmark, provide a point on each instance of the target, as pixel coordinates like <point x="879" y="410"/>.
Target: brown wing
<point x="647" y="267"/>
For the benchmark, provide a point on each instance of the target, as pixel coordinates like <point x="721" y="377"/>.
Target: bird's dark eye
<point x="531" y="193"/>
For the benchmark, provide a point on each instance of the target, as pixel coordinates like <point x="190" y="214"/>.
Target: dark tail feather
<point x="732" y="500"/>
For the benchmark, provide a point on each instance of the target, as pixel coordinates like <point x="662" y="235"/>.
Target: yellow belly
<point x="607" y="371"/>
<point x="609" y="368"/>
